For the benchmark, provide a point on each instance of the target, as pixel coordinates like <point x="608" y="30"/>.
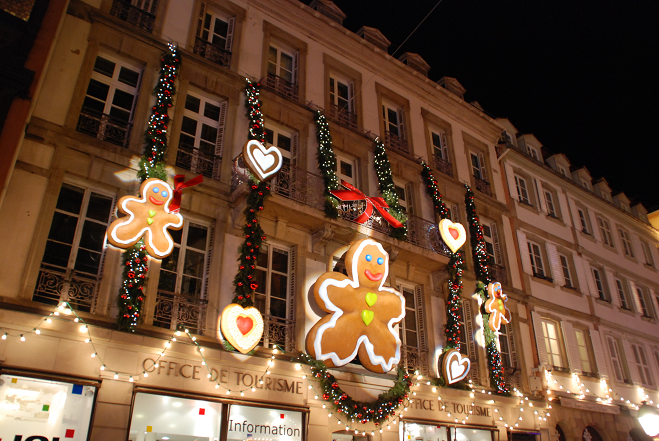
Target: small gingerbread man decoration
<point x="495" y="305"/>
<point x="148" y="216"/>
<point x="361" y="312"/>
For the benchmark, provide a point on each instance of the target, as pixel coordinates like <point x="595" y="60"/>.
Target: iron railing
<point x="343" y="116"/>
<point x="483" y="186"/>
<point x="174" y="310"/>
<point x="196" y="161"/>
<point x="57" y="284"/>
<point x="278" y="331"/>
<point x="132" y="14"/>
<point x="211" y="52"/>
<point x="397" y="143"/>
<point x="281" y="86"/>
<point x="104" y="127"/>
<point x="443" y="165"/>
<point x="413" y="359"/>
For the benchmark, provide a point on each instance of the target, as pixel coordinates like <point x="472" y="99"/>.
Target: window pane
<point x="278" y="308"/>
<point x="343" y="90"/>
<point x="269" y="136"/>
<point x="170" y="263"/>
<point x="208" y="133"/>
<point x="93" y="236"/>
<point x="99" y="207"/>
<point x="260" y="280"/>
<point x="57" y="254"/>
<point x="197" y="237"/>
<point x="128" y="76"/>
<point x="192" y="103"/>
<point x="259" y="303"/>
<point x="194" y="263"/>
<point x="123" y="99"/>
<point x="346" y="169"/>
<point x="280" y="260"/>
<point x="411" y="339"/>
<point x="262" y="257"/>
<point x="400" y="191"/>
<point x="103" y="66"/>
<point x="221" y="27"/>
<point x="98" y="90"/>
<point x="191" y="286"/>
<point x="189" y="125"/>
<point x="410" y="320"/>
<point x="284" y="142"/>
<point x="212" y="111"/>
<point x="70" y="199"/>
<point x="272" y="55"/>
<point x="94" y="106"/>
<point x="286" y="62"/>
<point x="119" y="114"/>
<point x="186" y="141"/>
<point x="167" y="281"/>
<point x="176" y="235"/>
<point x="409" y="299"/>
<point x="63" y="228"/>
<point x="88" y="261"/>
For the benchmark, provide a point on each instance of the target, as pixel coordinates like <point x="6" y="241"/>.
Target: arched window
<point x="561" y="435"/>
<point x="590" y="434"/>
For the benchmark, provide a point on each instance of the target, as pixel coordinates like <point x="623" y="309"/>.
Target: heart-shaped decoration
<point x="453" y="234"/>
<point x="149" y="221"/>
<point x="242" y="327"/>
<point x="152" y="213"/>
<point x="455" y="367"/>
<point x="371" y="298"/>
<point x="367" y="316"/>
<point x="264" y="163"/>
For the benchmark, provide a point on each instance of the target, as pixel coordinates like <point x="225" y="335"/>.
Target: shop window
<point x="43" y="409"/>
<point x="107" y="110"/>
<point x="554" y="344"/>
<point x="425" y="432"/>
<point x="214" y="37"/>
<point x="72" y="262"/>
<point x="255" y="423"/>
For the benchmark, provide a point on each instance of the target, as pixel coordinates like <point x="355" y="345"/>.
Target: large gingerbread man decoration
<point x="495" y="305"/>
<point x="362" y="313"/>
<point x="149" y="217"/>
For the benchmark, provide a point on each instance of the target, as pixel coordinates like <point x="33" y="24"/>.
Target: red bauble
<point x="240" y="297"/>
<point x="335" y="385"/>
<point x="253" y="285"/>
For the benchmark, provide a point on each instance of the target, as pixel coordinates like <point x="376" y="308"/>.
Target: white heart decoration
<point x="263" y="162"/>
<point x="446" y="227"/>
<point x="455" y="366"/>
<point x="246" y="339"/>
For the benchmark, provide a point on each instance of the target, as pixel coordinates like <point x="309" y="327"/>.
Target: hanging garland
<point x="388" y="189"/>
<point x="433" y="191"/>
<point x="377" y="411"/>
<point x="483" y="277"/>
<point x="152" y="165"/>
<point x="327" y="165"/>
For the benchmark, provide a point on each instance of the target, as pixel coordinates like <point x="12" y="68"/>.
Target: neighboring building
<point x="80" y="153"/>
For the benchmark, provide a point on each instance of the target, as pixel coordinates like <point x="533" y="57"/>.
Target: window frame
<point x="114" y="83"/>
<point x="402" y="326"/>
<point x="560" y="342"/>
<point x="620" y="288"/>
<point x="341" y="157"/>
<point x="567" y="271"/>
<point x="587" y="347"/>
<point x="626" y="241"/>
<point x="283" y="49"/>
<point x="614" y="343"/>
<point x="549" y="202"/>
<point x="584" y="220"/>
<point x="533" y="152"/>
<point x="534" y="259"/>
<point x="522" y="190"/>
<point x="599" y="284"/>
<point x="201" y="119"/>
<point x="647" y="253"/>
<point x="605" y="231"/>
<point x="646" y="308"/>
<point x="269" y="271"/>
<point x="276" y="130"/>
<point x="642" y="364"/>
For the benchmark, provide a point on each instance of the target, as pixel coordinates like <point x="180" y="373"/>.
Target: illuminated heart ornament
<point x="263" y="162"/>
<point x="455" y="367"/>
<point x="453" y="234"/>
<point x="242" y="327"/>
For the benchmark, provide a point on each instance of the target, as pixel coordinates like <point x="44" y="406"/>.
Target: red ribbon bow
<point x="179" y="185"/>
<point x="354" y="194"/>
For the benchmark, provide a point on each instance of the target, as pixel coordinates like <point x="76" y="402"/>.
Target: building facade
<point x="80" y="153"/>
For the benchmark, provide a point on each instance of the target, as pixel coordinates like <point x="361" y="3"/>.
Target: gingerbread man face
<point x="148" y="217"/>
<point x="362" y="313"/>
<point x="495" y="305"/>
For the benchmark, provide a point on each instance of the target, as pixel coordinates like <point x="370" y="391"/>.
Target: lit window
<point x="553" y="343"/>
<point x="583" y="344"/>
<point x="536" y="260"/>
<point x="616" y="360"/>
<point x="626" y="242"/>
<point x="522" y="190"/>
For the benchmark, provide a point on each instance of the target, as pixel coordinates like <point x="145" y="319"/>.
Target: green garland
<point x="433" y="191"/>
<point x="327" y="165"/>
<point x="152" y="165"/>
<point x="483" y="277"/>
<point x="388" y="189"/>
<point x="378" y="411"/>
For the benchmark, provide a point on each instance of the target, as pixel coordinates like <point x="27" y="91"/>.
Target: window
<point x="533" y="152"/>
<point x="598" y="283"/>
<point x="107" y="110"/>
<point x="73" y="259"/>
<point x="201" y="139"/>
<point x="394" y="128"/>
<point x="585" y="351"/>
<point x="642" y="365"/>
<point x="408" y="328"/>
<point x="507" y="346"/>
<point x="626" y="241"/>
<point x="584" y="222"/>
<point x="491" y="242"/>
<point x="404" y="197"/>
<point x="536" y="260"/>
<point x="282" y="71"/>
<point x="478" y="166"/>
<point x="346" y="169"/>
<point x="522" y="190"/>
<point x="647" y="253"/>
<point x="584" y="184"/>
<point x="439" y="145"/>
<point x="656" y="357"/>
<point x="616" y="360"/>
<point x="621" y="293"/>
<point x="562" y="170"/>
<point x="565" y="266"/>
<point x="284" y="140"/>
<point x="645" y="310"/>
<point x="605" y="231"/>
<point x="453" y="212"/>
<point x="218" y="30"/>
<point x="551" y="208"/>
<point x="342" y="94"/>
<point x="553" y="343"/>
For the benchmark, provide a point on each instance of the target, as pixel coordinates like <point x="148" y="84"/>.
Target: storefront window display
<point x="430" y="432"/>
<point x="37" y="409"/>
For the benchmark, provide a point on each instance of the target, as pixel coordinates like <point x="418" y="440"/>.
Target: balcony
<point x="211" y="52"/>
<point x="56" y="284"/>
<point x="279" y="332"/>
<point x="341" y="115"/>
<point x="396" y="143"/>
<point x="442" y="165"/>
<point x="498" y="274"/>
<point x="174" y="310"/>
<point x="104" y="127"/>
<point x="196" y="161"/>
<point x="281" y="86"/>
<point x="482" y="186"/>
<point x="134" y="15"/>
<point x="413" y="358"/>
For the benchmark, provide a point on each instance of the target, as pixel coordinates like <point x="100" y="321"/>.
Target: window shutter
<point x="540" y="194"/>
<point x="444" y="140"/>
<point x="581" y="273"/>
<point x="496" y="243"/>
<point x="554" y="260"/>
<point x="231" y="27"/>
<point x="421" y="322"/>
<point x="572" y="348"/>
<point x="613" y="288"/>
<point x="511" y="345"/>
<point x="296" y="60"/>
<point x="409" y="194"/>
<point x="539" y="339"/>
<point x="615" y="359"/>
<point x="512" y="186"/>
<point x="351" y="100"/>
<point x="470" y="340"/>
<point x="295" y="144"/>
<point x="209" y="254"/>
<point x="219" y="142"/>
<point x="481" y="162"/>
<point x="592" y="285"/>
<point x="633" y="370"/>
<point x="524" y="253"/>
<point x="200" y="22"/>
<point x="637" y="301"/>
<point x="291" y="285"/>
<point x="602" y="368"/>
<point x="401" y="123"/>
<point x="455" y="213"/>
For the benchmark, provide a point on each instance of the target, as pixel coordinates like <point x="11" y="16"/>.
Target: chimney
<point x="415" y="62"/>
<point x="375" y="37"/>
<point x="329" y="10"/>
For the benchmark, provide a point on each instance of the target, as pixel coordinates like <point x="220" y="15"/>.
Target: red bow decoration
<point x="179" y="185"/>
<point x="354" y="194"/>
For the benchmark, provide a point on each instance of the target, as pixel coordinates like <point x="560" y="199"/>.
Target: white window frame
<point x="276" y="132"/>
<point x="439" y="151"/>
<point x="599" y="283"/>
<point x="210" y="31"/>
<point x="605" y="231"/>
<point x="626" y="241"/>
<point x="620" y="287"/>
<point x="646" y="310"/>
<point x="522" y="190"/>
<point x="561" y="170"/>
<point x="551" y="206"/>
<point x="537" y="261"/>
<point x="565" y="267"/>
<point x="390" y="124"/>
<point x="201" y="120"/>
<point x="402" y="326"/>
<point x="616" y="359"/>
<point x="642" y="365"/>
<point x="583" y="219"/>
<point x="277" y="65"/>
<point x="533" y="152"/>
<point x="556" y="354"/>
<point x="334" y="80"/>
<point x="491" y="239"/>
<point x="348" y="161"/>
<point x="584" y="346"/>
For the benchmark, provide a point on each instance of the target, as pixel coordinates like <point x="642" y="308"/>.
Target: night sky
<point x="580" y="75"/>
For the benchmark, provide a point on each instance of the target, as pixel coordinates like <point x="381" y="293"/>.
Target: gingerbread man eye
<point x="380" y="260"/>
<point x="156" y="189"/>
<point x="369" y="257"/>
<point x="163" y="194"/>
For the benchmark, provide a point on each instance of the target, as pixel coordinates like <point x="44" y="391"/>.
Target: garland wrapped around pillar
<point x="327" y="165"/>
<point x="152" y="165"/>
<point x="388" y="189"/>
<point x="483" y="278"/>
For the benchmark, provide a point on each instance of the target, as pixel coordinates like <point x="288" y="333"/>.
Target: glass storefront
<point x="44" y="409"/>
<point x="430" y="432"/>
<point x="257" y="423"/>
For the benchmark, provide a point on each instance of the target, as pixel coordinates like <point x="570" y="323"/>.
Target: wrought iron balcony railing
<point x="134" y="15"/>
<point x="342" y="116"/>
<point x="443" y="165"/>
<point x="278" y="331"/>
<point x="104" y="127"/>
<point x="396" y="143"/>
<point x="211" y="52"/>
<point x="56" y="284"/>
<point x="196" y="161"/>
<point x="281" y="86"/>
<point x="483" y="186"/>
<point x="414" y="359"/>
<point x="173" y="310"/>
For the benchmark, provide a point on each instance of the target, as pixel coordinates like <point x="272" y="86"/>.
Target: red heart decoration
<point x="454" y="232"/>
<point x="244" y="324"/>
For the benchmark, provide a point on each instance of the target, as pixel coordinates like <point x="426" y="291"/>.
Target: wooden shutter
<point x="443" y="139"/>
<point x="295" y="147"/>
<point x="581" y="274"/>
<point x="602" y="368"/>
<point x="401" y="123"/>
<point x="592" y="285"/>
<point x="222" y="121"/>
<point x="539" y="192"/>
<point x="200" y="21"/>
<point x="616" y="361"/>
<point x="512" y="186"/>
<point x="539" y="339"/>
<point x="511" y="345"/>
<point x="633" y="370"/>
<point x="209" y="254"/>
<point x="470" y="340"/>
<point x="481" y="162"/>
<point x="291" y="283"/>
<point x="524" y="253"/>
<point x="296" y="60"/>
<point x="230" y="30"/>
<point x="421" y="322"/>
<point x="455" y="213"/>
<point x="613" y="288"/>
<point x="496" y="243"/>
<point x="555" y="262"/>
<point x="351" y="98"/>
<point x="572" y="348"/>
<point x="637" y="301"/>
<point x="409" y="195"/>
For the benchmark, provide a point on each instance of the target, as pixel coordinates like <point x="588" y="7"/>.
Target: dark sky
<point x="581" y="75"/>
